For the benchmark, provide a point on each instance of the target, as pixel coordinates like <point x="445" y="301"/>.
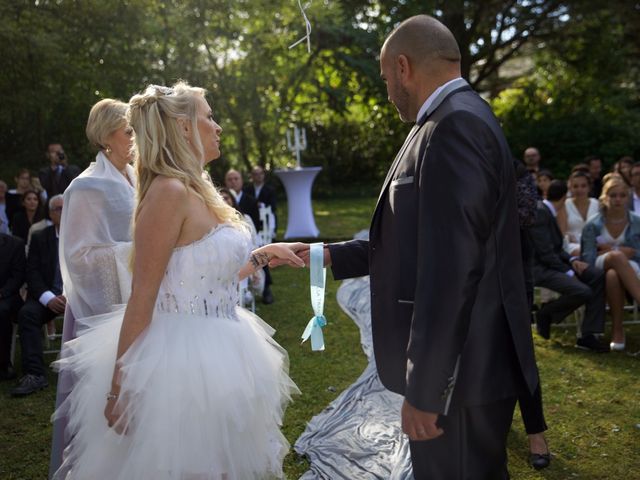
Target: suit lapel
<point x="396" y="161"/>
<point x="453" y="87"/>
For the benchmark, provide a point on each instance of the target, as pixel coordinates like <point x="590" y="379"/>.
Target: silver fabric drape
<point x="358" y="435"/>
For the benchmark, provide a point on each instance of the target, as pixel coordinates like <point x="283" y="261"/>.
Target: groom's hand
<point x="305" y="252"/>
<point x="418" y="424"/>
<point x="284" y="254"/>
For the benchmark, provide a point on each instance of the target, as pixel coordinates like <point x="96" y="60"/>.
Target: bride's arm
<point x="158" y="226"/>
<point x="273" y="254"/>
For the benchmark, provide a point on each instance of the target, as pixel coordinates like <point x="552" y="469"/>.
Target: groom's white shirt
<point x="427" y="103"/>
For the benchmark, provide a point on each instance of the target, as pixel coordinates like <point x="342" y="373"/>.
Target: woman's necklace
<point x="616" y="221"/>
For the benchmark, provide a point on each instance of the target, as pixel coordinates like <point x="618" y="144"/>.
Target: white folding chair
<point x="268" y="231"/>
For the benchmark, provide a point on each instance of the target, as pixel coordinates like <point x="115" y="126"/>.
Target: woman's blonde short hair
<point x="105" y="117"/>
<point x="614" y="180"/>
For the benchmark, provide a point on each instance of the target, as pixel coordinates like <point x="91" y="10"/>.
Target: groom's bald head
<point x="424" y="41"/>
<point x="419" y="56"/>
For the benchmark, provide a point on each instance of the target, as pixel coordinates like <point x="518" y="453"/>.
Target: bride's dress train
<point x="203" y="388"/>
<point x="358" y="436"/>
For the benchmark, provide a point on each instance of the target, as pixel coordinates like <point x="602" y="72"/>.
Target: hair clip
<point x="162" y="90"/>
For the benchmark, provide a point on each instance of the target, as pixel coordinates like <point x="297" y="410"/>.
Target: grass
<point x="591" y="401"/>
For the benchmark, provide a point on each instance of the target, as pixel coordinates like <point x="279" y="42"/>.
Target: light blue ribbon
<point x="318" y="276"/>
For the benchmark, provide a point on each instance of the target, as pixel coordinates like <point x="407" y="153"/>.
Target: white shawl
<point x="95" y="239"/>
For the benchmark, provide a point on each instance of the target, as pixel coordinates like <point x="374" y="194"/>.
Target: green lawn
<point x="591" y="401"/>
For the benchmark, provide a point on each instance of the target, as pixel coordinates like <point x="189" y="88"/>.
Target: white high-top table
<point x="297" y="183"/>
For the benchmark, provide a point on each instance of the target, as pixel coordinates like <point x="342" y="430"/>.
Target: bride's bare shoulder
<point x="165" y="193"/>
<point x="167" y="188"/>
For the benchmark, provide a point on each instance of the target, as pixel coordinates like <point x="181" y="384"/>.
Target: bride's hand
<point x="114" y="415"/>
<point x="282" y="254"/>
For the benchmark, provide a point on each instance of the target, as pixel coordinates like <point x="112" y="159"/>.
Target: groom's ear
<point x="403" y="68"/>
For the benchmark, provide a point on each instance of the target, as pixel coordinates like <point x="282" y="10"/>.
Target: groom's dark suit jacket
<point x="451" y="327"/>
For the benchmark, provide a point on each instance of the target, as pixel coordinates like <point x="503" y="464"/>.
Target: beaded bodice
<point x="202" y="277"/>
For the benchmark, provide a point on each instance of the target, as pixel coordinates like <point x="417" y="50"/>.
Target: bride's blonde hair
<point x="160" y="147"/>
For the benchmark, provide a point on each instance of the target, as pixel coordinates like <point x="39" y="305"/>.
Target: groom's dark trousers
<point x="450" y="321"/>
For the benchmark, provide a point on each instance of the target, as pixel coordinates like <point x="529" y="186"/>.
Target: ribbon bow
<point x="314" y="330"/>
<point x="318" y="275"/>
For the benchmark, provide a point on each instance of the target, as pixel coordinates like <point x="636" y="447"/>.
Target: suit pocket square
<point x="406" y="302"/>
<point x="401" y="181"/>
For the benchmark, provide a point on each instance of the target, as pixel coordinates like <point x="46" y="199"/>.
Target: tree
<point x="581" y="99"/>
<point x="489" y="33"/>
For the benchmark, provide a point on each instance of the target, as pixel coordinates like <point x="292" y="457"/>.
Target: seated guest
<point x="543" y="180"/>
<point x="31" y="213"/>
<point x="623" y="167"/>
<point x="611" y="241"/>
<point x="12" y="273"/>
<point x="13" y="198"/>
<point x="44" y="302"/>
<point x="634" y="199"/>
<point x="36" y="227"/>
<point x="577" y="211"/>
<point x="577" y="282"/>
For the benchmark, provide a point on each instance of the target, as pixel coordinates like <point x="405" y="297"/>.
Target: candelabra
<point x="298" y="144"/>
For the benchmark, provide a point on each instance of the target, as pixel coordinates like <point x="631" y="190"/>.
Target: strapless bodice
<point x="202" y="277"/>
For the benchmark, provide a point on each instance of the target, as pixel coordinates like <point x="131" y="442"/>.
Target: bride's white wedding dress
<point x="203" y="387"/>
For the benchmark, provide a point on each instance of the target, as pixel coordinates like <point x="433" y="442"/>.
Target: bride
<point x="195" y="387"/>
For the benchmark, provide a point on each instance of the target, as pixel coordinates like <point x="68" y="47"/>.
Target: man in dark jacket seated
<point x="12" y="272"/>
<point x="45" y="301"/>
<point x="575" y="281"/>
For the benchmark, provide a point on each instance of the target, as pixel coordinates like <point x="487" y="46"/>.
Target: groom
<point x="450" y="322"/>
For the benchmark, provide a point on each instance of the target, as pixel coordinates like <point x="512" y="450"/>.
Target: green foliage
<point x="580" y="100"/>
<point x="57" y="58"/>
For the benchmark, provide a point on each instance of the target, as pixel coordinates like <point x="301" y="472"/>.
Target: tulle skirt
<point x="202" y="399"/>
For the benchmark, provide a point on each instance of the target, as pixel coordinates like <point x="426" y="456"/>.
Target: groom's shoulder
<point x="462" y="104"/>
<point x="468" y="101"/>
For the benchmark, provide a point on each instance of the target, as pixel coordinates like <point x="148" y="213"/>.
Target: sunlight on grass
<point x="591" y="400"/>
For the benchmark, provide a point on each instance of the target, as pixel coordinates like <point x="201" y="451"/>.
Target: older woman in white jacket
<point x="95" y="235"/>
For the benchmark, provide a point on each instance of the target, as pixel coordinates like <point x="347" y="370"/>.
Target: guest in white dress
<point x="611" y="241"/>
<point x="579" y="209"/>
<point x="195" y="386"/>
<point x="95" y="238"/>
